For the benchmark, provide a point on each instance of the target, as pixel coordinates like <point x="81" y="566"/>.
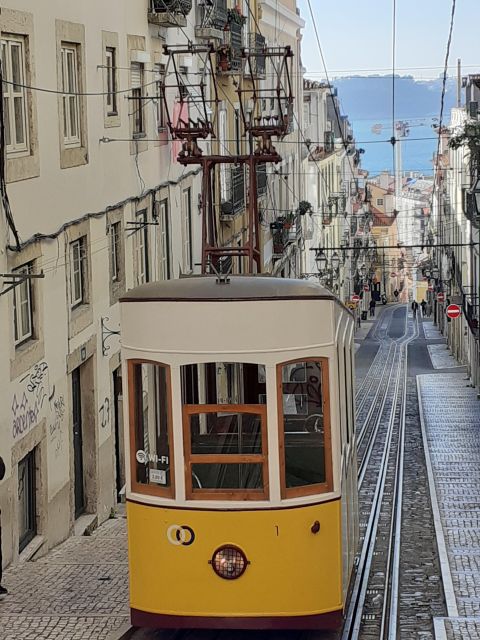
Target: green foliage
<point x="470" y="136"/>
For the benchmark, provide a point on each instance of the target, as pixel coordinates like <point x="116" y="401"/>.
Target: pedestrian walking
<point x="423" y="304"/>
<point x="429" y="309"/>
<point x="3" y="591"/>
<point x="372" y="306"/>
<point x="414" y="308"/>
<point x="395" y="293"/>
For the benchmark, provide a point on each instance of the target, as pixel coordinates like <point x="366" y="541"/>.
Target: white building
<point x="99" y="206"/>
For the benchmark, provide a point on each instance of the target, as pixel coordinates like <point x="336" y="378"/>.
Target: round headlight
<point x="229" y="562"/>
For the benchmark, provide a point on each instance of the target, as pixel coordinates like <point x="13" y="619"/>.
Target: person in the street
<point x="3" y="591"/>
<point x="384" y="299"/>
<point x="423" y="304"/>
<point x="395" y="293"/>
<point x="372" y="306"/>
<point x="429" y="309"/>
<point x="414" y="308"/>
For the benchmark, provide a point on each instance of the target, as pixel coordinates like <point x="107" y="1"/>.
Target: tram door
<point x="78" y="443"/>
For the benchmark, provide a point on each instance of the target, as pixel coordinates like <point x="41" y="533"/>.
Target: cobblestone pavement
<point x="441" y="357"/>
<point x="78" y="591"/>
<point x="452" y="437"/>
<point x="431" y="331"/>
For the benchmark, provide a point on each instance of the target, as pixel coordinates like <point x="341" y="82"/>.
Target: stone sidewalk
<point x="78" y="591"/>
<point x="450" y="414"/>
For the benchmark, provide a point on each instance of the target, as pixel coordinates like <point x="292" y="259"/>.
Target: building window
<point x="187" y="230"/>
<point x="164" y="248"/>
<point x="22" y="307"/>
<point x="26" y="500"/>
<point x="137" y="70"/>
<point x="140" y="246"/>
<point x="71" y="101"/>
<point x="160" y="105"/>
<point x="14" y="95"/>
<point x="379" y="202"/>
<point x="115" y="251"/>
<point x="78" y="272"/>
<point x="111" y="64"/>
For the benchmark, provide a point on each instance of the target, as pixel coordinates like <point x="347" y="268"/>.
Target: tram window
<point x="225" y="451"/>
<point x="304" y="427"/>
<point x="150" y="424"/>
<point x="346" y="397"/>
<point x="223" y="383"/>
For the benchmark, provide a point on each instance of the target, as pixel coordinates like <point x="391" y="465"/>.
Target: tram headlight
<point x="229" y="562"/>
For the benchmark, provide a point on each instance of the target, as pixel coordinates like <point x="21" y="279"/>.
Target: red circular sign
<point x="441" y="297"/>
<point x="355" y="298"/>
<point x="366" y="287"/>
<point x="453" y="311"/>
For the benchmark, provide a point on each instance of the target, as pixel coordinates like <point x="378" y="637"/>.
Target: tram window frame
<point x="327" y="485"/>
<point x="136" y="486"/>
<point x="347" y="357"/>
<point x="191" y="459"/>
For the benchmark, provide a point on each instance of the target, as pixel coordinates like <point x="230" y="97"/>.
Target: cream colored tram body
<point x="241" y="489"/>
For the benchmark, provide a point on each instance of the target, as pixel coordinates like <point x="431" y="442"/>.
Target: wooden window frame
<point x="19" y="305"/>
<point x="138" y="487"/>
<point x="81" y="243"/>
<point x="257" y="458"/>
<point x="14" y="93"/>
<point x="71" y="95"/>
<point x="321" y="487"/>
<point x="115" y="241"/>
<point x="111" y="80"/>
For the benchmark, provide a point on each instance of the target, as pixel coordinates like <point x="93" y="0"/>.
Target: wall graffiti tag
<point x="104" y="412"/>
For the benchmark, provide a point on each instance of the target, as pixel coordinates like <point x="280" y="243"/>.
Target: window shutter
<point x="136" y="75"/>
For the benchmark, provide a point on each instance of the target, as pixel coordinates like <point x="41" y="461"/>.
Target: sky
<point x="356" y="37"/>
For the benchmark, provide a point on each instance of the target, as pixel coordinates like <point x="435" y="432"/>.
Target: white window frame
<point x="137" y="75"/>
<point x="140" y="248"/>
<point x="187" y="249"/>
<point x="70" y="97"/>
<point x="15" y="95"/>
<point x="164" y="261"/>
<point x="22" y="307"/>
<point x="111" y="80"/>
<point x="115" y="233"/>
<point x="77" y="272"/>
<point x="160" y="115"/>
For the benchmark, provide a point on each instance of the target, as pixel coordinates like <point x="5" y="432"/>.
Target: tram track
<point x="373" y="606"/>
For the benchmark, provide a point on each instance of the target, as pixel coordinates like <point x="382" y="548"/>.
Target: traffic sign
<point x="355" y="298"/>
<point x="430" y="286"/>
<point x="366" y="287"/>
<point x="453" y="311"/>
<point x="440" y="297"/>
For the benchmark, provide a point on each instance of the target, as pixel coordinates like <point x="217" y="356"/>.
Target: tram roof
<point x="208" y="288"/>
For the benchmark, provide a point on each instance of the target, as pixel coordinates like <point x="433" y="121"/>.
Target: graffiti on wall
<point x="34" y="400"/>
<point x="104" y="412"/>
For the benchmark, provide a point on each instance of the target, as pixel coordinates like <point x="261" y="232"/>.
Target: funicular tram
<point x="241" y="488"/>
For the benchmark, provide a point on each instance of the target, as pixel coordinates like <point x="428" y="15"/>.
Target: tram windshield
<point x="305" y="427"/>
<point x="225" y="430"/>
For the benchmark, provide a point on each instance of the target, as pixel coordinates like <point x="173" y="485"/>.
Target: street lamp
<point x="427" y="273"/>
<point x="476" y="195"/>
<point x="335" y="261"/>
<point x="321" y="260"/>
<point x="435" y="273"/>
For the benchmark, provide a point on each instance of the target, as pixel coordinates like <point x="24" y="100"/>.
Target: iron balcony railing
<point x="182" y="7"/>
<point x="235" y="200"/>
<point x="213" y="14"/>
<point x="261" y="179"/>
<point x="470" y="209"/>
<point x="257" y="44"/>
<point x="236" y="43"/>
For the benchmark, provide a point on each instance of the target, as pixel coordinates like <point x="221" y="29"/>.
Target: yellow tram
<point x="241" y="489"/>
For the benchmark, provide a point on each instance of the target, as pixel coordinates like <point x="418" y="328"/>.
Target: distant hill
<point x="370" y="97"/>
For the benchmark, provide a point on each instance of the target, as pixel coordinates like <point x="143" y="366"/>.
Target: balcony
<point x="234" y="203"/>
<point x="261" y="179"/>
<point x="169" y="13"/>
<point x="229" y="55"/>
<point x="470" y="210"/>
<point x="213" y="17"/>
<point x="257" y="45"/>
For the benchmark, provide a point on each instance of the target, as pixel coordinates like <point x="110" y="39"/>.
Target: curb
<point x="125" y="632"/>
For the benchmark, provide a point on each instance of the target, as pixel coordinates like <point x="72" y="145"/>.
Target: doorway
<point x="118" y="425"/>
<point x="27" y="487"/>
<point x="79" y="488"/>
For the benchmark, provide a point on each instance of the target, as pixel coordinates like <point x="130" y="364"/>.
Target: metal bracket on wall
<point x="106" y="334"/>
<point x="14" y="279"/>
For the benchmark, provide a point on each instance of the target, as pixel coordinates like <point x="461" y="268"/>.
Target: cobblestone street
<point x="78" y="591"/>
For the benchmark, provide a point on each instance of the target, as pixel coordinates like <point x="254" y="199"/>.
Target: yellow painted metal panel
<point x="291" y="572"/>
